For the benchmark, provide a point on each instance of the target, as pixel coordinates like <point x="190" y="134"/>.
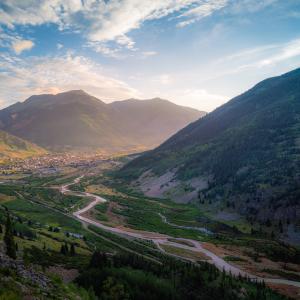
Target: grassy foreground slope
<point x="245" y="154"/>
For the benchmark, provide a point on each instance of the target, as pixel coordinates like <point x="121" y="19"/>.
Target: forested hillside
<point x="244" y="154"/>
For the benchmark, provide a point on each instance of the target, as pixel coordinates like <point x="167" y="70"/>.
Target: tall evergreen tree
<point x="9" y="239"/>
<point x="67" y="248"/>
<point x="98" y="260"/>
<point x="72" y="250"/>
<point x="63" y="250"/>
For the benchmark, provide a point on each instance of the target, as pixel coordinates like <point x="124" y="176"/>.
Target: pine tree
<point x="280" y="227"/>
<point x="63" y="250"/>
<point x="272" y="235"/>
<point x="72" y="250"/>
<point x="98" y="260"/>
<point x="1" y="231"/>
<point x="66" y="248"/>
<point x="9" y="239"/>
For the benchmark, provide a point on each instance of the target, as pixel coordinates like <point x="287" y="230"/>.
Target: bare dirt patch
<point x="289" y="291"/>
<point x="6" y="198"/>
<point x="247" y="263"/>
<point x="67" y="275"/>
<point x="115" y="218"/>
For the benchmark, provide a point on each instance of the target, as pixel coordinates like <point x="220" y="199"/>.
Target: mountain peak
<point x="79" y="120"/>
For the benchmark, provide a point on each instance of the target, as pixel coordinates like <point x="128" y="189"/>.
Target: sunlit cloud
<point x="37" y="75"/>
<point x="163" y="79"/>
<point x="146" y="54"/>
<point x="21" y="45"/>
<point x="199" y="12"/>
<point x="197" y="98"/>
<point x="256" y="58"/>
<point x="103" y="21"/>
<point x="287" y="51"/>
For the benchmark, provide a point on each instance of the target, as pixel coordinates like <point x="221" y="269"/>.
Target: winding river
<point x="162" y="239"/>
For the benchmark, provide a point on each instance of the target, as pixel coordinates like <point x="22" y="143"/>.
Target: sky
<point x="197" y="53"/>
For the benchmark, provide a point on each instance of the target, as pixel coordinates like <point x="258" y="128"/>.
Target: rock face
<point x="247" y="151"/>
<point x="27" y="272"/>
<point x="75" y="120"/>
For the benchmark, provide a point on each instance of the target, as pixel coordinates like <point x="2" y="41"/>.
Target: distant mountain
<point x="14" y="147"/>
<point x="76" y="120"/>
<point x="244" y="156"/>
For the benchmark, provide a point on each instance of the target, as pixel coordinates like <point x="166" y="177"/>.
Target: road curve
<point x="161" y="239"/>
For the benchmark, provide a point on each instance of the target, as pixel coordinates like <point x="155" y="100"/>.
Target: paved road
<point x="160" y="239"/>
<point x="201" y="229"/>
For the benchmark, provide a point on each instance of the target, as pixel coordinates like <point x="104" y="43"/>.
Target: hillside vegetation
<point x="244" y="155"/>
<point x="14" y="147"/>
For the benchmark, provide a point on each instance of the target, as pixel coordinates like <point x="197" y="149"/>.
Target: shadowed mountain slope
<point x="76" y="120"/>
<point x="245" y="153"/>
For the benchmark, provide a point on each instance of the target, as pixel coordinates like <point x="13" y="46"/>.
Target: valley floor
<point x="162" y="240"/>
<point x="114" y="218"/>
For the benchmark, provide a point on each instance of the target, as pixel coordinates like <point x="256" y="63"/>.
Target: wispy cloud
<point x="103" y="21"/>
<point x="286" y="51"/>
<point x="163" y="79"/>
<point x="250" y="6"/>
<point x="257" y="58"/>
<point x="36" y="75"/>
<point x="201" y="11"/>
<point x="14" y="41"/>
<point x="59" y="46"/>
<point x="146" y="54"/>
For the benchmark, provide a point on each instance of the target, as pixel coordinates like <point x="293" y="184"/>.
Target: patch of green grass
<point x="142" y="213"/>
<point x="102" y="207"/>
<point x="185" y="253"/>
<point x="43" y="215"/>
<point x="102" y="217"/>
<point x="233" y="258"/>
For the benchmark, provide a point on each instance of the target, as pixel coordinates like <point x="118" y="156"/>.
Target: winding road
<point x="162" y="239"/>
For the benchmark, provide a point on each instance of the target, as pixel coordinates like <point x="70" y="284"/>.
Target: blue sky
<point x="198" y="53"/>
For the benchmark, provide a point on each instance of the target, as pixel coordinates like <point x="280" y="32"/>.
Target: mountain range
<point x="244" y="156"/>
<point x="75" y="120"/>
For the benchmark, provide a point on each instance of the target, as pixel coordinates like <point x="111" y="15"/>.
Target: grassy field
<point x="143" y="214"/>
<point x="185" y="253"/>
<point x="131" y="210"/>
<point x="43" y="219"/>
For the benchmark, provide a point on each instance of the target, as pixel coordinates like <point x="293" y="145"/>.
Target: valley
<point x="85" y="201"/>
<point x="149" y="150"/>
<point x="162" y="239"/>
